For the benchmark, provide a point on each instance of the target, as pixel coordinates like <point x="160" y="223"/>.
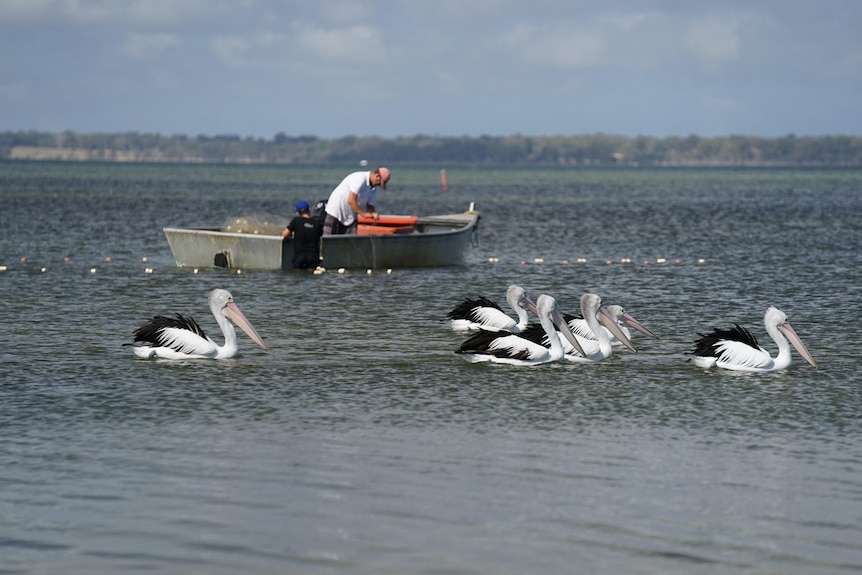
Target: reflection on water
<point x="362" y="444"/>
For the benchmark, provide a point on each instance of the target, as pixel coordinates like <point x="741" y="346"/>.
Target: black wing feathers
<point x="707" y="344"/>
<point x="152" y="332"/>
<point x="464" y="309"/>
<point x="480" y="344"/>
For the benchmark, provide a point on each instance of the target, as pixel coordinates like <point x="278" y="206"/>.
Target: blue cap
<point x="302" y="205"/>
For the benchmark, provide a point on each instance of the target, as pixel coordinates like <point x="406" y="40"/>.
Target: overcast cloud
<point x="434" y="67"/>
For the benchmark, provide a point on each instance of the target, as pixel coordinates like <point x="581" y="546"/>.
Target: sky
<point x="446" y="68"/>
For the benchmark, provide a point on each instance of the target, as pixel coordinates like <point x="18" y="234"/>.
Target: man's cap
<point x="384" y="176"/>
<point x="302" y="205"/>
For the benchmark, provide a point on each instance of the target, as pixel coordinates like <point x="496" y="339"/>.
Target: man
<point x="355" y="196"/>
<point x="306" y="234"/>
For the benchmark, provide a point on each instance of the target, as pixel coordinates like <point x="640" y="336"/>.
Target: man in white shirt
<point x="355" y="196"/>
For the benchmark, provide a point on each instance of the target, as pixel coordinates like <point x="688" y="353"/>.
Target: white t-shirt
<point x="366" y="194"/>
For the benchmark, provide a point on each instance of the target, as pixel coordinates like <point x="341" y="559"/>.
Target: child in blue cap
<point x="306" y="234"/>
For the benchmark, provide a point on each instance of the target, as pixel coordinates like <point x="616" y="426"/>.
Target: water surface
<point x="362" y="444"/>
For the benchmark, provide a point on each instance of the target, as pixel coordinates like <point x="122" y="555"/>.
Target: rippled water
<point x="362" y="444"/>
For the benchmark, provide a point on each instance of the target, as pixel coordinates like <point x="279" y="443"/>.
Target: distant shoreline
<point x="597" y="150"/>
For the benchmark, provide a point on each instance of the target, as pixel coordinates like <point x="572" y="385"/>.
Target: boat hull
<point x="430" y="242"/>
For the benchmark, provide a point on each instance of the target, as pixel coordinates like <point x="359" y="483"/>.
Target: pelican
<point x="622" y="318"/>
<point x="737" y="349"/>
<point x="515" y="350"/>
<point x="597" y="348"/>
<point x="483" y="313"/>
<point x="183" y="338"/>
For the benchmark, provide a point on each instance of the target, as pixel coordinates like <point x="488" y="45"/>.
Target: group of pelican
<point x="557" y="336"/>
<point x="499" y="338"/>
<point x="592" y="336"/>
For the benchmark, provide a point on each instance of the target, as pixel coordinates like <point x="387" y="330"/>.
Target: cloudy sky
<point x="333" y="68"/>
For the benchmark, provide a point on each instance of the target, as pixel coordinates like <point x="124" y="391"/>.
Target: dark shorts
<point x="332" y="227"/>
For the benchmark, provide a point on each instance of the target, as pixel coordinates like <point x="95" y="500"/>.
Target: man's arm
<point x="354" y="203"/>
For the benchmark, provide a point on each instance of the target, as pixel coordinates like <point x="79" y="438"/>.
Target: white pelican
<point x="483" y="313"/>
<point x="512" y="349"/>
<point x="183" y="338"/>
<point x="737" y="349"/>
<point x="590" y="350"/>
<point x="623" y="319"/>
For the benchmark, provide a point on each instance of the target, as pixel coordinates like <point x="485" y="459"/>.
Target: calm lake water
<point x="361" y="444"/>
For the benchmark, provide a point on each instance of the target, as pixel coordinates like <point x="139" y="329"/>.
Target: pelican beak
<point x="529" y="305"/>
<point x="233" y="313"/>
<point x="566" y="331"/>
<point x="607" y="320"/>
<point x="635" y="324"/>
<point x="794" y="339"/>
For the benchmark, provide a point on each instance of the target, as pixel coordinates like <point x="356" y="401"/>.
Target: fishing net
<point x="263" y="224"/>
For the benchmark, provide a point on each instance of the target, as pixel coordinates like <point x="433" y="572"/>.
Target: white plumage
<point x="593" y="349"/>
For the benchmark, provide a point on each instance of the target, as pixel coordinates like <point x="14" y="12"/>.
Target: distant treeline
<point x="583" y="150"/>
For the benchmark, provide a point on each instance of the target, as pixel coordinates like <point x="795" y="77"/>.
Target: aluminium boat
<point x="394" y="241"/>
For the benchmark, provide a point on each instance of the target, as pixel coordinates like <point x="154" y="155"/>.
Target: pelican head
<point x="622" y="315"/>
<point x="775" y="318"/>
<point x="546" y="304"/>
<point x="221" y="303"/>
<point x="590" y="301"/>
<point x="517" y="297"/>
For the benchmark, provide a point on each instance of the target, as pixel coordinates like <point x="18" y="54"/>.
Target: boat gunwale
<point x="431" y="221"/>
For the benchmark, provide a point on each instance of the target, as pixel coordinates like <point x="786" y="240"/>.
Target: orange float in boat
<point x="386" y="225"/>
<point x="364" y="229"/>
<point x="390" y="220"/>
